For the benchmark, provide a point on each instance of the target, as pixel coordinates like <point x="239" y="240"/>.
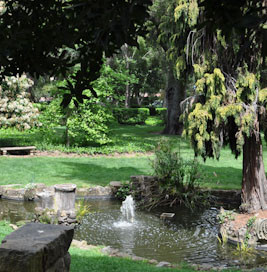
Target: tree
<point x="172" y="32"/>
<point x="230" y="101"/>
<point x="144" y="67"/>
<point x="37" y="37"/>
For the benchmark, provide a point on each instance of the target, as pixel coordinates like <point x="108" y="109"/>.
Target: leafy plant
<point x="46" y="216"/>
<point x="243" y="249"/>
<point x="250" y="224"/>
<point x="223" y="239"/>
<point x="123" y="191"/>
<point x="82" y="209"/>
<point x="224" y="216"/>
<point x="89" y="124"/>
<point x="131" y="116"/>
<point x="178" y="178"/>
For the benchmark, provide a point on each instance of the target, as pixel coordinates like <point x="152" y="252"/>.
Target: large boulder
<point x="37" y="247"/>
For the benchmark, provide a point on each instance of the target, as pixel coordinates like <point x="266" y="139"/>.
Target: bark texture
<point x="175" y="94"/>
<point x="254" y="187"/>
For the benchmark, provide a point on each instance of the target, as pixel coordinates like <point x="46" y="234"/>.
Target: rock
<point x="46" y="199"/>
<point x="64" y="197"/>
<point x="40" y="186"/>
<point x="100" y="192"/>
<point x="152" y="261"/>
<point x="12" y="194"/>
<point x="72" y="215"/>
<point x="137" y="258"/>
<point x="81" y="244"/>
<point x="37" y="248"/>
<point x="71" y="221"/>
<point x="82" y="192"/>
<point x="14" y="227"/>
<point x="167" y="216"/>
<point x="206" y="266"/>
<point x="115" y="184"/>
<point x="110" y="251"/>
<point x="163" y="264"/>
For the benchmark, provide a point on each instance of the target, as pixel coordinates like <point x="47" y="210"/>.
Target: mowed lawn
<point x="100" y="170"/>
<point x="82" y="171"/>
<point x="90" y="171"/>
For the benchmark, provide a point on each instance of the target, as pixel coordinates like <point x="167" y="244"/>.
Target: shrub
<point x="85" y="125"/>
<point x="162" y="112"/>
<point x="89" y="124"/>
<point x="123" y="191"/>
<point x="178" y="178"/>
<point x="52" y="117"/>
<point x="131" y="116"/>
<point x="16" y="109"/>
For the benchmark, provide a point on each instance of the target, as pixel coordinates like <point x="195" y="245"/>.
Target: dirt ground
<point x="242" y="219"/>
<point x="75" y="155"/>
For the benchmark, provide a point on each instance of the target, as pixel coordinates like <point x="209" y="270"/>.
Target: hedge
<point x="131" y="116"/>
<point x="162" y="112"/>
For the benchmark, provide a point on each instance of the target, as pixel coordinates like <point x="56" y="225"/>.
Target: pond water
<point x="190" y="237"/>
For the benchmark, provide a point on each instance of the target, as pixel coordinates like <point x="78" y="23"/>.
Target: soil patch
<point x="59" y="154"/>
<point x="241" y="220"/>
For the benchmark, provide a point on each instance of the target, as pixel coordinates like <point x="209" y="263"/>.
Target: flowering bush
<point x="16" y="110"/>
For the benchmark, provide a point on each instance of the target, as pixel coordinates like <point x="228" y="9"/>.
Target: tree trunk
<point x="175" y="93"/>
<point x="254" y="187"/>
<point x="125" y="52"/>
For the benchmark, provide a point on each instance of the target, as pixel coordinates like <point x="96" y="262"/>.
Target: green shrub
<point x="52" y="117"/>
<point x="178" y="178"/>
<point x="89" y="124"/>
<point x="82" y="126"/>
<point x="131" y="116"/>
<point x="162" y="112"/>
<point x="123" y="191"/>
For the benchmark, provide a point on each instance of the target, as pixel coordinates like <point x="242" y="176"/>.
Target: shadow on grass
<point x="221" y="177"/>
<point x="94" y="174"/>
<point x="88" y="260"/>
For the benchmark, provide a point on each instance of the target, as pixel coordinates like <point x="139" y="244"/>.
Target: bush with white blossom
<point x="16" y="109"/>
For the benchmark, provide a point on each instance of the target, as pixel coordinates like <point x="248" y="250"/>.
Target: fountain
<point x="127" y="210"/>
<point x="188" y="237"/>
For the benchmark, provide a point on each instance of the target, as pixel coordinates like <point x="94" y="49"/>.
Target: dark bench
<point x="29" y="149"/>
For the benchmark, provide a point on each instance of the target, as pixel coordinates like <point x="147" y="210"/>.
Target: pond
<point x="190" y="237"/>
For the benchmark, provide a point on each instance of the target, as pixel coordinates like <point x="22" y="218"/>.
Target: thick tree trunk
<point x="254" y="187"/>
<point x="175" y="93"/>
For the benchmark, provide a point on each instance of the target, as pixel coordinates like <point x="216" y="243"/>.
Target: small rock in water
<point x="167" y="215"/>
<point x="163" y="264"/>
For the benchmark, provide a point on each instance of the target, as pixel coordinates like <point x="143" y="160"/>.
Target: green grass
<point x="94" y="261"/>
<point x="90" y="171"/>
<point x="5" y="229"/>
<point x="125" y="139"/>
<point x="82" y="171"/>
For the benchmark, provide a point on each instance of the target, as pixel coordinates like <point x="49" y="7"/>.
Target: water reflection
<point x="190" y="237"/>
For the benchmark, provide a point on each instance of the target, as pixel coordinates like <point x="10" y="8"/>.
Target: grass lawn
<point x="90" y="171"/>
<point x="94" y="261"/>
<point x="125" y="139"/>
<point x="82" y="171"/>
